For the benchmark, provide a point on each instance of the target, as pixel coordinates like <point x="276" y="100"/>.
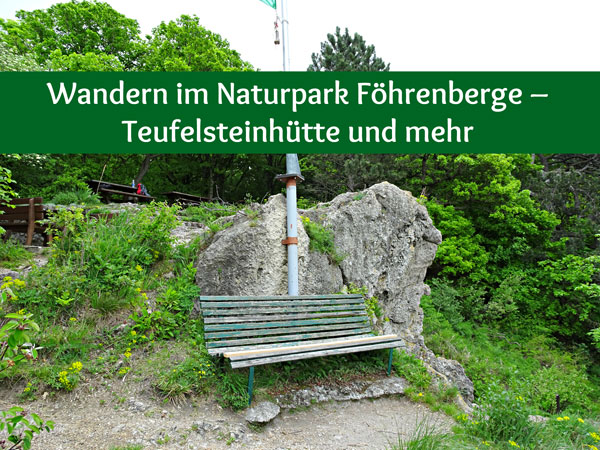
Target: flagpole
<point x="285" y="36"/>
<point x="292" y="175"/>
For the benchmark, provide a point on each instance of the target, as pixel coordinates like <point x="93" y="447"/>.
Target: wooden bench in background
<point x="108" y="191"/>
<point x="185" y="199"/>
<point x="253" y="331"/>
<point x="22" y="217"/>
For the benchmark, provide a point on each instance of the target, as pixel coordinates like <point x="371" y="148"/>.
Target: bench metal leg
<point x="389" y="372"/>
<point x="250" y="385"/>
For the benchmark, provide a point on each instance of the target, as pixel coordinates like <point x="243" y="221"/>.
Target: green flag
<point x="271" y="3"/>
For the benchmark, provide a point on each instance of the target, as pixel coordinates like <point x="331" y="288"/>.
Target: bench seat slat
<point x="313" y="354"/>
<point x="283" y="303"/>
<point x="308" y="347"/>
<point x="209" y="312"/>
<point x="286" y="339"/>
<point x="284" y="330"/>
<point x="266" y="298"/>
<point x="278" y="324"/>
<point x="291" y="316"/>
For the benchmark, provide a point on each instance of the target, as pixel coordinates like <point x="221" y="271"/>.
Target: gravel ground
<point x="105" y="421"/>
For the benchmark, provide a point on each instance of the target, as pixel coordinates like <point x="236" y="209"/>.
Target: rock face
<point x="386" y="237"/>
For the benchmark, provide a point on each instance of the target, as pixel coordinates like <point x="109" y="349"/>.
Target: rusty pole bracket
<point x="290" y="241"/>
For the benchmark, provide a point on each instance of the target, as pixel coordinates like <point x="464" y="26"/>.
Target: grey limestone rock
<point x="264" y="412"/>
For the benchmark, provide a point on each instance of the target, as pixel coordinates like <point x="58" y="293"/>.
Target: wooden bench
<point x="108" y="190"/>
<point x="185" y="199"/>
<point x="253" y="331"/>
<point x="22" y="216"/>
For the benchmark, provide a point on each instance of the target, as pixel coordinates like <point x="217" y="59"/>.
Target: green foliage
<point x="532" y="366"/>
<point x="345" y="53"/>
<point x="90" y="62"/>
<point x="82" y="196"/>
<point x="12" y="254"/>
<point x="17" y="347"/>
<point x="186" y="46"/>
<point x="502" y="417"/>
<point x="411" y="368"/>
<point x="321" y="240"/>
<point x="79" y="27"/>
<point x="233" y="390"/>
<point x="190" y="376"/>
<point x="11" y="61"/>
<point x="21" y="428"/>
<point x="101" y="259"/>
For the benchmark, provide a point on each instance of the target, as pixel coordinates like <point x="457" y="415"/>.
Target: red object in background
<point x="139" y="188"/>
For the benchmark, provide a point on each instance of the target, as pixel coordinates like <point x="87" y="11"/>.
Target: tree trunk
<point x="144" y="168"/>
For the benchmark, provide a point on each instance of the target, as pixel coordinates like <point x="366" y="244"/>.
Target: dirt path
<point x="97" y="421"/>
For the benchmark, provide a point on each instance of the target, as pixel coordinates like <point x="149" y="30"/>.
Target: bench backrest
<point x="237" y="322"/>
<point x="24" y="209"/>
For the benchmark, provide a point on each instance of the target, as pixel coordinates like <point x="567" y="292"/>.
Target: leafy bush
<point x="13" y="254"/>
<point x="321" y="240"/>
<point x="94" y="260"/>
<point x="190" y="376"/>
<point x="81" y="196"/>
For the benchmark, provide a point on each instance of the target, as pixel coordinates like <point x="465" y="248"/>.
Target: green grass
<point x="13" y="254"/>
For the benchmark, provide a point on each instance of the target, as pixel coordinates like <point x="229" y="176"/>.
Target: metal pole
<point x="291" y="164"/>
<point x="285" y="36"/>
<point x="292" y="222"/>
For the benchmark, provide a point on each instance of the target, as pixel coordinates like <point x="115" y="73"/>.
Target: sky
<point x="428" y="35"/>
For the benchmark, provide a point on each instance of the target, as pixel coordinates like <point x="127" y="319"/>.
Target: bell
<point x="277" y="41"/>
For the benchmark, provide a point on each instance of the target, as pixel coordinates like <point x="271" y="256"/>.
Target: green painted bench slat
<point x="291" y="316"/>
<point x="295" y="357"/>
<point x="272" y="331"/>
<point x="260" y="298"/>
<point x="206" y="311"/>
<point x="307" y="347"/>
<point x="247" y="326"/>
<point x="275" y="341"/>
<point x="251" y="304"/>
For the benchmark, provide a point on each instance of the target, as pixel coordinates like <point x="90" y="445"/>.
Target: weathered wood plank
<point x="220" y="298"/>
<point x="265" y="316"/>
<point x="314" y="354"/>
<point x="278" y="324"/>
<point x="287" y="303"/>
<point x="340" y="343"/>
<point x="217" y="347"/>
<point x="274" y="331"/>
<point x="272" y="310"/>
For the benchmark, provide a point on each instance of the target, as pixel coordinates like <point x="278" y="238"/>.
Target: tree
<point x="10" y="61"/>
<point x="345" y="53"/>
<point x="76" y="27"/>
<point x="90" y="62"/>
<point x="186" y="46"/>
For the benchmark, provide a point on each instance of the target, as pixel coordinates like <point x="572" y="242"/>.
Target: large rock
<point x="387" y="239"/>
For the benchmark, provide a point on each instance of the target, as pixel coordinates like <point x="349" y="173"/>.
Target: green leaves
<point x="186" y="46"/>
<point x="345" y="53"/>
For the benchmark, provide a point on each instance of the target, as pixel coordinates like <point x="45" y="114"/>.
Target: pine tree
<point x="345" y="53"/>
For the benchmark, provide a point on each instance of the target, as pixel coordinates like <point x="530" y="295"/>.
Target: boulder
<point x="264" y="412"/>
<point x="387" y="240"/>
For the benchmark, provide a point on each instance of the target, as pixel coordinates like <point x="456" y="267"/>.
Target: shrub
<point x="81" y="196"/>
<point x="321" y="240"/>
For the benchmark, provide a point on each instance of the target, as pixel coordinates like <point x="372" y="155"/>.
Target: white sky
<point x="411" y="35"/>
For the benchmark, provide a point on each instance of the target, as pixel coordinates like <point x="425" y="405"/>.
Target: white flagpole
<point x="292" y="175"/>
<point x="285" y="36"/>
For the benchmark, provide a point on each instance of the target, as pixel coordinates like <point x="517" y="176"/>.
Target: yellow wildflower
<point x="595" y="436"/>
<point x="580" y="420"/>
<point x="77" y="366"/>
<point x="514" y="444"/>
<point x="560" y="419"/>
<point x="420" y="394"/>
<point x="73" y="319"/>
<point x="138" y="268"/>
